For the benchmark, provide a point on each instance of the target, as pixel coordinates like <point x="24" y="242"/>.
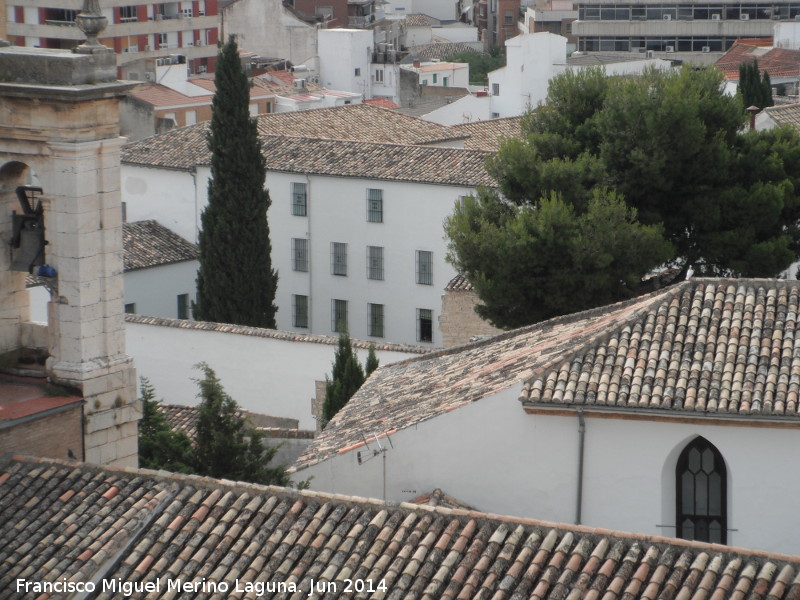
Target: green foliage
<point x="226" y="444"/>
<point x="754" y="88"/>
<point x="347" y="377"/>
<point x="235" y="281"/>
<point x="661" y="160"/>
<point x="160" y="447"/>
<point x="531" y="263"/>
<point x="480" y="63"/>
<point x="372" y="361"/>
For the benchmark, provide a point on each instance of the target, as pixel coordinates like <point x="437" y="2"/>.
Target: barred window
<point x="425" y="267"/>
<point x="375" y="320"/>
<point x="339" y="316"/>
<point x="375" y="262"/>
<point x="424" y="325"/>
<point x="299" y="200"/>
<point x="338" y="258"/>
<point x="375" y="206"/>
<point x="299" y="310"/>
<point x="299" y="254"/>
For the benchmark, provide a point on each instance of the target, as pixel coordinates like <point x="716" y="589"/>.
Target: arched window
<point x="701" y="493"/>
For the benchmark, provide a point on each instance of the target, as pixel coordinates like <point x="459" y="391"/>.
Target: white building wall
<point x="444" y="10"/>
<point x="390" y="84"/>
<point x="493" y="456"/>
<point x="786" y="34"/>
<point x="458" y="32"/>
<point x="464" y="110"/>
<point x="155" y="291"/>
<point x="418" y="35"/>
<point x="345" y="56"/>
<point x="264" y="375"/>
<point x="531" y="61"/>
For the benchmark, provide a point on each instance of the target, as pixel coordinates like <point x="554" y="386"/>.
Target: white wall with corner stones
<point x="264" y="375"/>
<point x="495" y="457"/>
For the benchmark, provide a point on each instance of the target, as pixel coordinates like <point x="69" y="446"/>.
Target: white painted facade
<point x="266" y="28"/>
<point x="467" y="109"/>
<point x="155" y="291"/>
<point x="786" y="34"/>
<point x="264" y="375"/>
<point x="386" y="81"/>
<point x="457" y="32"/>
<point x="495" y="457"/>
<point x="441" y="74"/>
<point x="345" y="56"/>
<point x="413" y="214"/>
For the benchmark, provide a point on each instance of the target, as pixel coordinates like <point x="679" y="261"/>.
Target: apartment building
<point x="136" y="29"/>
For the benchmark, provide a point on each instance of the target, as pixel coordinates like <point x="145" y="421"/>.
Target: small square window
<point x="183" y="306"/>
<point x="299" y="254"/>
<point x="130" y="308"/>
<point x="435" y="77"/>
<point x="299" y="200"/>
<point x="375" y="206"/>
<point x="495" y="89"/>
<point x="425" y="267"/>
<point x="339" y="316"/>
<point x="358" y="72"/>
<point x="375" y="262"/>
<point x="338" y="258"/>
<point x="299" y="311"/>
<point x="375" y="320"/>
<point x="424" y="325"/>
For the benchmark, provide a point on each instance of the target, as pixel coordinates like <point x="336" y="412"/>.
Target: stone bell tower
<point x="59" y="130"/>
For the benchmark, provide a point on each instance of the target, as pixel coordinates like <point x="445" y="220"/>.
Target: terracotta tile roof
<point x="711" y="347"/>
<point x="487" y="135"/>
<point x="65" y="521"/>
<point x="420" y="20"/>
<point x="442" y="50"/>
<point x="287" y="336"/>
<point x="438" y="498"/>
<point x="788" y="114"/>
<point x="184" y="418"/>
<point x="160" y="96"/>
<point x="341" y="158"/>
<point x="459" y="283"/>
<point x="259" y="89"/>
<point x="150" y="244"/>
<point x="22" y="397"/>
<point x="702" y="348"/>
<point x="778" y="62"/>
<point x="381" y="103"/>
<point x="441" y="65"/>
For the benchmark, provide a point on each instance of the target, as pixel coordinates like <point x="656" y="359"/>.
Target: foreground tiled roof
<point x="487" y="135"/>
<point x="788" y="114"/>
<point x="381" y="103"/>
<point x="702" y="348"/>
<point x="184" y="418"/>
<point x="778" y="62"/>
<point x="150" y="244"/>
<point x="442" y="50"/>
<point x="62" y="521"/>
<point x="340" y="158"/>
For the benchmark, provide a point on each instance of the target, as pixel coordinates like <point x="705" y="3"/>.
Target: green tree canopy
<point x="665" y="156"/>
<point x="481" y="63"/>
<point x="226" y="444"/>
<point x="347" y="377"/>
<point x="235" y="281"/>
<point x="160" y="447"/>
<point x="755" y="88"/>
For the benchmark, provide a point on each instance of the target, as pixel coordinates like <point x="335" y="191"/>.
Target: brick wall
<point x="459" y="322"/>
<point x="50" y="436"/>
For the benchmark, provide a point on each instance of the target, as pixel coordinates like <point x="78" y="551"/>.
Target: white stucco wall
<point x="413" y="217"/>
<point x="155" y="291"/>
<point x="464" y="110"/>
<point x="492" y="455"/>
<point x="444" y="10"/>
<point x="389" y="87"/>
<point x="268" y="29"/>
<point x="264" y="375"/>
<point x="341" y="52"/>
<point x="458" y="32"/>
<point x="787" y="34"/>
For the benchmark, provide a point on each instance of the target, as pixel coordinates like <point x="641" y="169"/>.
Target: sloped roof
<point x="487" y="135"/>
<point x="788" y="114"/>
<point x="710" y="348"/>
<point x="150" y="244"/>
<point x="341" y="158"/>
<point x="459" y="283"/>
<point x="69" y="521"/>
<point x="778" y="62"/>
<point x="381" y="103"/>
<point x="442" y="49"/>
<point x="420" y="20"/>
<point x="162" y="96"/>
<point x="184" y="418"/>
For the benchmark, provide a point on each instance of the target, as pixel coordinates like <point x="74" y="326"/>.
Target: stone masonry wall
<point x="50" y="436"/>
<point x="459" y="322"/>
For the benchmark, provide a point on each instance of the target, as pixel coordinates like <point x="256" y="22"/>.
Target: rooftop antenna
<point x="367" y="455"/>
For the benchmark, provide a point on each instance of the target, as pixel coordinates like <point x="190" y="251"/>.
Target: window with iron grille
<point x="701" y="486"/>
<point x="425" y="267"/>
<point x="339" y="316"/>
<point x="375" y="262"/>
<point x="183" y="306"/>
<point x="299" y="254"/>
<point x="299" y="310"/>
<point x="375" y="206"/>
<point x="299" y="200"/>
<point x="375" y="320"/>
<point x="424" y="325"/>
<point x="338" y="258"/>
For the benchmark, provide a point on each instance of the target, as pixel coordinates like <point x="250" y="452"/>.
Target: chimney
<point x="416" y="64"/>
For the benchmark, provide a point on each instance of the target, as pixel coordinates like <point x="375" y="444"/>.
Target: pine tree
<point x="235" y="281"/>
<point x="347" y="377"/>
<point x="226" y="445"/>
<point x="160" y="447"/>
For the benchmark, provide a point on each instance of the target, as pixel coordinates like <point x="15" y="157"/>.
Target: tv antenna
<point x="367" y="455"/>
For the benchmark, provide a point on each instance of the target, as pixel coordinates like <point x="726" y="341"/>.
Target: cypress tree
<point x="235" y="281"/>
<point x="372" y="361"/>
<point x="347" y="377"/>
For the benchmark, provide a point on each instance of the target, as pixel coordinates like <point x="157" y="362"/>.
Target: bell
<point x="30" y="252"/>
